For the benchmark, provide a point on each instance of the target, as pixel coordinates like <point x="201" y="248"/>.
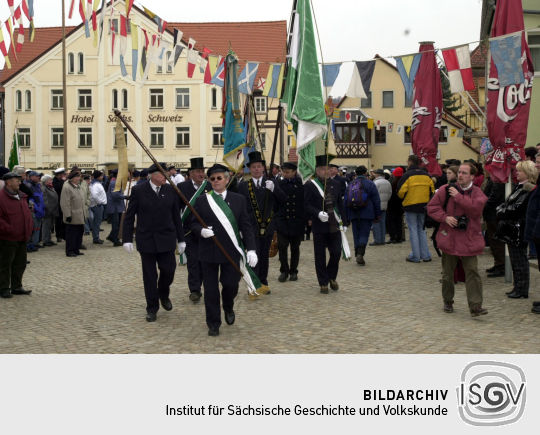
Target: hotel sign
<point x="89" y="119"/>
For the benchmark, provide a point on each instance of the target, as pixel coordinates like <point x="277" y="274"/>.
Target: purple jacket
<point x="462" y="243"/>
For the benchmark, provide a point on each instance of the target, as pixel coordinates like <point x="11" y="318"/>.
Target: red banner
<point x="508" y="107"/>
<point x="427" y="110"/>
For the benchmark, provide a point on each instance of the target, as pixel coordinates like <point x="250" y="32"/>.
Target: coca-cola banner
<point x="427" y="110"/>
<point x="508" y="106"/>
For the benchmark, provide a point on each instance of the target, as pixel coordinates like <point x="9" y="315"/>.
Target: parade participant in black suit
<point x="261" y="194"/>
<point x="326" y="224"/>
<point x="159" y="228"/>
<point x="58" y="182"/>
<point x="290" y="222"/>
<point x="224" y="212"/>
<point x="333" y="174"/>
<point x="195" y="186"/>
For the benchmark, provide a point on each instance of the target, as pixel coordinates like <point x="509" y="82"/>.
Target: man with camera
<point x="458" y="207"/>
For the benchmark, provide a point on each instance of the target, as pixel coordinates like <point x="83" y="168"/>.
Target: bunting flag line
<point x="247" y="77"/>
<point x="207" y="73"/>
<point x="28" y="9"/>
<point x="407" y="67"/>
<point x="70" y="14"/>
<point x="95" y="7"/>
<point x="134" y="50"/>
<point x="191" y="57"/>
<point x="213" y="61"/>
<point x="458" y="65"/>
<point x="129" y="5"/>
<point x="219" y="76"/>
<point x="274" y="81"/>
<point x="122" y="44"/>
<point x="330" y="72"/>
<point x="356" y="87"/>
<point x="9" y="28"/>
<point x="144" y="52"/>
<point x="204" y="60"/>
<point x="177" y="48"/>
<point x="162" y="24"/>
<point x="20" y="31"/>
<point x="82" y="13"/>
<point x="4" y="49"/>
<point x="507" y="55"/>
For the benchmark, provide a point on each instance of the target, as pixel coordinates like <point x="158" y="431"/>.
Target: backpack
<point x="356" y="196"/>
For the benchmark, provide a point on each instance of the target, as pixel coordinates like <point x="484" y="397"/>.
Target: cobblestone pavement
<point x="95" y="304"/>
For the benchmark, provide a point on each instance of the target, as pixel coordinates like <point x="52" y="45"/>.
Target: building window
<point x="217" y="133"/>
<point x="18" y="101"/>
<point x="443" y="134"/>
<point x="157" y="137"/>
<point x="408" y="101"/>
<point x="365" y="103"/>
<point x="115" y="25"/>
<point x="380" y="136"/>
<point x="85" y="99"/>
<point x="169" y="65"/>
<point x="182" y="98"/>
<point x="350" y="133"/>
<point x="24" y="137"/>
<point x="85" y="137"/>
<point x="156" y="98"/>
<point x="124" y="99"/>
<point x="214" y="98"/>
<point x="27" y="101"/>
<point x="57" y="137"/>
<point x="71" y="63"/>
<point x="388" y="99"/>
<point x="115" y="99"/>
<point x="263" y="140"/>
<point x="407" y="134"/>
<point x="80" y="63"/>
<point x="260" y="104"/>
<point x="182" y="137"/>
<point x="57" y="99"/>
<point x="125" y="136"/>
<point x="533" y="39"/>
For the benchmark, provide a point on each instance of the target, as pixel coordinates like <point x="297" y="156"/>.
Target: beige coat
<point x="73" y="204"/>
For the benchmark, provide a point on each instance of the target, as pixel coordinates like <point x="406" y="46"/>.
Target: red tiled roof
<point x="479" y="56"/>
<point x="45" y="39"/>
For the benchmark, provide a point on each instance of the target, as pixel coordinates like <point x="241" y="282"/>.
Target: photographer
<point x="458" y="208"/>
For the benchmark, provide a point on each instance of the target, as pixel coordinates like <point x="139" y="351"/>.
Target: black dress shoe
<point x="195" y="296"/>
<point x="496" y="274"/>
<point x="229" y="317"/>
<point x="71" y="254"/>
<point x="166" y="304"/>
<point x="117" y="243"/>
<point x="6" y="294"/>
<point x="536" y="309"/>
<point x="324" y="289"/>
<point x="98" y="242"/>
<point x="283" y="277"/>
<point x="213" y="332"/>
<point x="536" y="304"/>
<point x="151" y="317"/>
<point x="293" y="277"/>
<point x="507" y="293"/>
<point x="516" y="295"/>
<point x="83" y="247"/>
<point x="334" y="285"/>
<point x="21" y="291"/>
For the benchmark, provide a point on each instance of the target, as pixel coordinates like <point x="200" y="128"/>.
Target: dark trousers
<point x="394" y="221"/>
<point x="322" y="241"/>
<point x="156" y="289"/>
<point x="283" y="245"/>
<point x="213" y="274"/>
<point x="60" y="227"/>
<point x="46" y="229"/>
<point x="115" y="227"/>
<point x="520" y="268"/>
<point x="74" y="236"/>
<point x="361" y="229"/>
<point x="195" y="276"/>
<point x="97" y="211"/>
<point x="496" y="246"/>
<point x="12" y="264"/>
<point x="263" y="247"/>
<point x="473" y="282"/>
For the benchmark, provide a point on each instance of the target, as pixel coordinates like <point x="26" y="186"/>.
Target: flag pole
<point x="64" y="87"/>
<point x="177" y="190"/>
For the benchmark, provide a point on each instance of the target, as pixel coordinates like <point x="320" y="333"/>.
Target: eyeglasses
<point x="218" y="178"/>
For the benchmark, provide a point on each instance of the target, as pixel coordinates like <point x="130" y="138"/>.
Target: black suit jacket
<point x="313" y="204"/>
<point x="159" y="226"/>
<point x="208" y="251"/>
<point x="290" y="218"/>
<point x="187" y="188"/>
<point x="261" y="194"/>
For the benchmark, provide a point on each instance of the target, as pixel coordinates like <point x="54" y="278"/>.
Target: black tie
<point x="157" y="190"/>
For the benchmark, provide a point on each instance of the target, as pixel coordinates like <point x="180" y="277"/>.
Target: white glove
<point x="323" y="216"/>
<point x="344" y="229"/>
<point x="252" y="258"/>
<point x="270" y="185"/>
<point x="181" y="247"/>
<point x="206" y="233"/>
<point x="128" y="247"/>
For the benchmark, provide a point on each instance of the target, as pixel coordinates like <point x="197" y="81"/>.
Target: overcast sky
<point x="349" y="29"/>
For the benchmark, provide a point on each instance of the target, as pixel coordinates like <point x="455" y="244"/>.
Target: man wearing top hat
<point x="225" y="214"/>
<point x="159" y="232"/>
<point x="322" y="196"/>
<point x="290" y="222"/>
<point x="261" y="194"/>
<point x="195" y="186"/>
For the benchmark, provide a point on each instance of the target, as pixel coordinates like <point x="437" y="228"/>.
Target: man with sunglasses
<point x="192" y="188"/>
<point x="226" y="217"/>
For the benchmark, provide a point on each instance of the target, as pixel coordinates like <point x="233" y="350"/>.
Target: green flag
<point x="303" y="92"/>
<point x="14" y="154"/>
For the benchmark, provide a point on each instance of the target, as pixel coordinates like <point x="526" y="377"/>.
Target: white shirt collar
<point x="467" y="188"/>
<point x="154" y="187"/>
<point x="195" y="185"/>
<point x="258" y="181"/>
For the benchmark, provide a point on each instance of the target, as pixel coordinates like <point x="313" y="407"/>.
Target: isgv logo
<point x="491" y="393"/>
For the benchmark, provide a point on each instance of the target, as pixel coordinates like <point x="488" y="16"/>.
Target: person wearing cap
<point x="192" y="188"/>
<point x="225" y="214"/>
<point x="261" y="195"/>
<point x="322" y="196"/>
<point x="58" y="183"/>
<point x="159" y="232"/>
<point x="37" y="207"/>
<point x="385" y="192"/>
<point x="75" y="212"/>
<point x="290" y="220"/>
<point x="15" y="229"/>
<point x="50" y="199"/>
<point x="394" y="212"/>
<point x="115" y="207"/>
<point x="175" y="176"/>
<point x="98" y="201"/>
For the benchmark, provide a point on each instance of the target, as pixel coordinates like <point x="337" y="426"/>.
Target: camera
<point x="462" y="222"/>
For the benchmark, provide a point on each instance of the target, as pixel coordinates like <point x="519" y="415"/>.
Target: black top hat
<point x="289" y="165"/>
<point x="216" y="168"/>
<point x="254" y="157"/>
<point x="321" y="160"/>
<point x="196" y="163"/>
<point x="154" y="168"/>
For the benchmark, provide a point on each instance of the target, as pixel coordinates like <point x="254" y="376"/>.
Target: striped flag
<point x="134" y="50"/>
<point x="20" y="32"/>
<point x="219" y="76"/>
<point x="113" y="34"/>
<point x="122" y="44"/>
<point x="129" y="5"/>
<point x="458" y="65"/>
<point x="9" y="27"/>
<point x="247" y="77"/>
<point x="10" y="4"/>
<point x="4" y="49"/>
<point x="274" y="81"/>
<point x="177" y="48"/>
<point x="82" y="13"/>
<point x="191" y="57"/>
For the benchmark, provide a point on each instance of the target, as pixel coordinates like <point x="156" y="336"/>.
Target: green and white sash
<point x="345" y="249"/>
<point x="226" y="218"/>
<point x="185" y="213"/>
